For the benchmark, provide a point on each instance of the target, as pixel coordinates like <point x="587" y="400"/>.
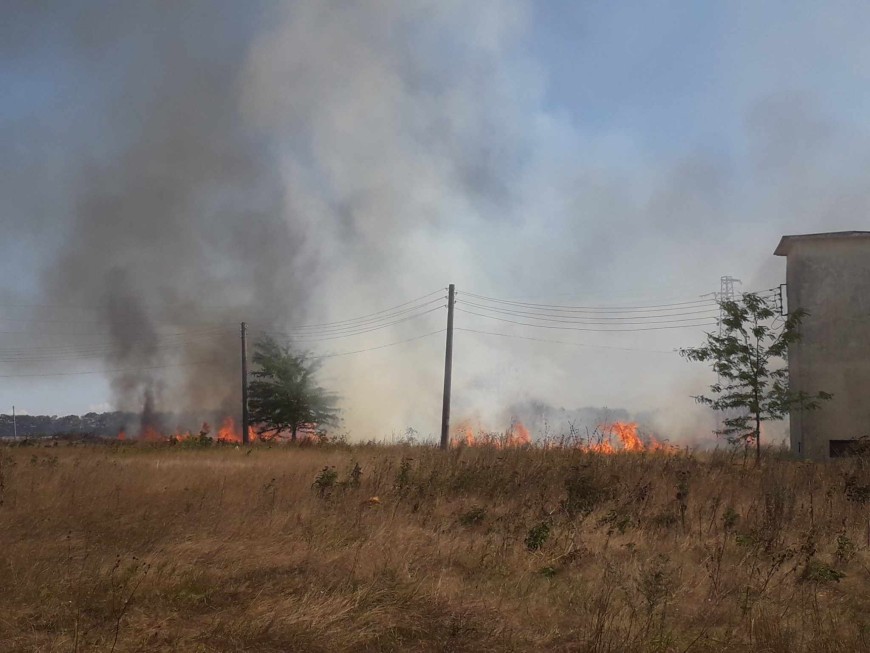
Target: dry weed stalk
<point x="132" y="548"/>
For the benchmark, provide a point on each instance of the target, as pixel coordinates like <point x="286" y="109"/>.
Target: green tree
<point x="284" y="395"/>
<point x="748" y="355"/>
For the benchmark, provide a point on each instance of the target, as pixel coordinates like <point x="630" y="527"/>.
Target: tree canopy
<point x="748" y="355"/>
<point x="284" y="395"/>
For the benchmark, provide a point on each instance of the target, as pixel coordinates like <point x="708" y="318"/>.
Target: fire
<point x="626" y="437"/>
<point x="517" y="435"/>
<point x="616" y="437"/>
<point x="464" y="435"/>
<point x="151" y="434"/>
<point x="228" y="432"/>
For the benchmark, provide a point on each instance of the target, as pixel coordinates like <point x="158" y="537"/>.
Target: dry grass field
<point x="158" y="548"/>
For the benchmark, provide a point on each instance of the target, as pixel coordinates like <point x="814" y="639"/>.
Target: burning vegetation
<point x="228" y="433"/>
<point x="607" y="438"/>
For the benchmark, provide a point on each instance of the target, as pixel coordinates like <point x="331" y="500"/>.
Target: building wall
<point x="830" y="278"/>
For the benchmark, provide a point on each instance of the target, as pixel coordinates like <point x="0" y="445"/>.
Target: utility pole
<point x="14" y="424"/>
<point x="244" y="384"/>
<point x="448" y="370"/>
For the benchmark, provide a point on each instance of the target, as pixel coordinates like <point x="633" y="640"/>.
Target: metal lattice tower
<point x="725" y="294"/>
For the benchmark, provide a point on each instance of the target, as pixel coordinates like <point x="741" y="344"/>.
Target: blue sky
<point x="603" y="152"/>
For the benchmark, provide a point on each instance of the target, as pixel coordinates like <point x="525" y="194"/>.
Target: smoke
<point x="175" y="169"/>
<point x="173" y="225"/>
<point x="266" y="164"/>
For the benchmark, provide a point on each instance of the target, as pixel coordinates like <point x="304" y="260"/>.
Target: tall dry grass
<point x="135" y="548"/>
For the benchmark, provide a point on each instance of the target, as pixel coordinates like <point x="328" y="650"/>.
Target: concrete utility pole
<point x="448" y="370"/>
<point x="244" y="384"/>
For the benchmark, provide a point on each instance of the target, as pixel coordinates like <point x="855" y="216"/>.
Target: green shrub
<point x="537" y="536"/>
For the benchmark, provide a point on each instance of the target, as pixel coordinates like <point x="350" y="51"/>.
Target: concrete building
<point x="828" y="275"/>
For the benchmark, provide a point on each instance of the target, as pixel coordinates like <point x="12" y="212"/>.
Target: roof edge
<point x="786" y="242"/>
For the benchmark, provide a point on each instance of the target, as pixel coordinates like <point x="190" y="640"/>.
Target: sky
<point x="170" y="171"/>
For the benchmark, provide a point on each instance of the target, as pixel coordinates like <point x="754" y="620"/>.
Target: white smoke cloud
<point x="386" y="149"/>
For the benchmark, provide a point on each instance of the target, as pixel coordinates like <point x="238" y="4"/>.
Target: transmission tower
<point x="725" y="294"/>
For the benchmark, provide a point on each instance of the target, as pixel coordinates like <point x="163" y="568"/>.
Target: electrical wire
<point x="95" y="307"/>
<point x="91" y="349"/>
<point x="584" y="319"/>
<point x="83" y="355"/>
<point x="608" y="319"/>
<point x="568" y="328"/>
<point x="376" y="313"/>
<point x="43" y="320"/>
<point x="112" y="371"/>
<point x="323" y="329"/>
<point x="563" y="342"/>
<point x="333" y="335"/>
<point x="700" y="304"/>
<point x="376" y="316"/>
<point x="391" y="344"/>
<point x="605" y="309"/>
<point x="31" y="332"/>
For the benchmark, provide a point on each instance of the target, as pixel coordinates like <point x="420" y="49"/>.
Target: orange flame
<point x="227" y="433"/>
<point x="516" y="436"/>
<point x="627" y="439"/>
<point x="151" y="434"/>
<point x="463" y="435"/>
<point x="616" y="437"/>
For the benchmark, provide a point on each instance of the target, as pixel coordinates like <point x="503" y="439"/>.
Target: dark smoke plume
<point x="176" y="226"/>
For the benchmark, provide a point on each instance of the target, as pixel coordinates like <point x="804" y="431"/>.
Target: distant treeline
<point x="101" y="424"/>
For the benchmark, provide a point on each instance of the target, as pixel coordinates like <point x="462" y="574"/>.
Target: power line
<point x="386" y="313"/>
<point x="42" y="320"/>
<point x="568" y="328"/>
<point x="362" y="323"/>
<point x="564" y="342"/>
<point x="213" y="363"/>
<point x="93" y="349"/>
<point x="369" y="315"/>
<point x="391" y="344"/>
<point x="112" y="371"/>
<point x="585" y="319"/>
<point x="703" y="302"/>
<point x="31" y="332"/>
<point x="574" y="308"/>
<point x="333" y="335"/>
<point x="37" y="357"/>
